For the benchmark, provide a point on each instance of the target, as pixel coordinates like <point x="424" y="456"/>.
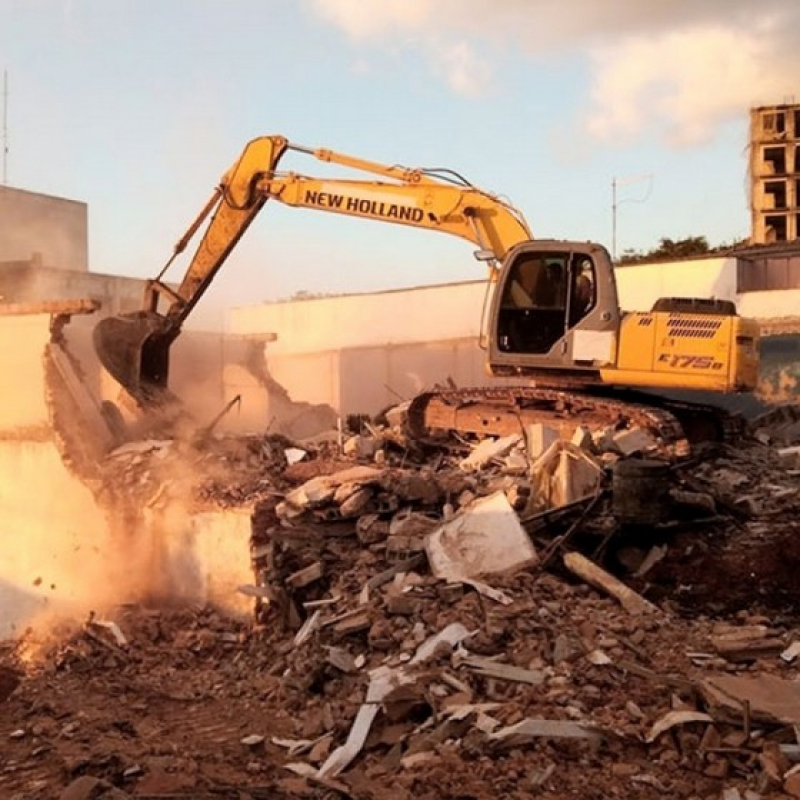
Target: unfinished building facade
<point x="775" y="173"/>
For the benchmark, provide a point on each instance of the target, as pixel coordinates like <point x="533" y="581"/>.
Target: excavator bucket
<point x="134" y="348"/>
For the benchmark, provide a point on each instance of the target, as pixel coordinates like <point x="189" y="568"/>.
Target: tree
<point x="669" y="249"/>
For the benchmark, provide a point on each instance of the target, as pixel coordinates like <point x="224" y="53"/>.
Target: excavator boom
<point x="134" y="348"/>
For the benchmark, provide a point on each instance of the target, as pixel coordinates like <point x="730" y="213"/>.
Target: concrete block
<point x="538" y="437"/>
<point x="790" y="456"/>
<point x="635" y="440"/>
<point x="484" y="538"/>
<point x="583" y="438"/>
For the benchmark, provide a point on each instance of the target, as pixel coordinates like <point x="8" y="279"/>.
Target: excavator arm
<point x="134" y="348"/>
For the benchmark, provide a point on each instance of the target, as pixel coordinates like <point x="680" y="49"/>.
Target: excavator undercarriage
<point x="502" y="411"/>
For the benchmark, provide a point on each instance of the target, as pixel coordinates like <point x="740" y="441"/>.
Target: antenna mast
<point x="5" y="126"/>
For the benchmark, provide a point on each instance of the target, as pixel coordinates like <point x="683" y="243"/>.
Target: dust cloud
<point x="81" y="536"/>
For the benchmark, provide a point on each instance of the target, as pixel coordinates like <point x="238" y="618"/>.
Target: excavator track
<point x="502" y="411"/>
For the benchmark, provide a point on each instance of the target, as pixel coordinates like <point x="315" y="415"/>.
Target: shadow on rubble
<point x="728" y="571"/>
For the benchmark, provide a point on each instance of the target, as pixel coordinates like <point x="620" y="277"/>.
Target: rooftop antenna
<point x="5" y="127"/>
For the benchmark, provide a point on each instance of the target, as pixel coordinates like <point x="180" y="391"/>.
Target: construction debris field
<point x="453" y="619"/>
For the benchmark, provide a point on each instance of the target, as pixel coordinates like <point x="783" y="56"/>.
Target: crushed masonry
<point x="463" y="618"/>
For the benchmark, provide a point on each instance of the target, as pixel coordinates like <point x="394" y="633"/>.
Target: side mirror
<point x="485" y="255"/>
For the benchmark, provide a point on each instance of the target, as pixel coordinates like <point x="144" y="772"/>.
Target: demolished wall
<point x="73" y="542"/>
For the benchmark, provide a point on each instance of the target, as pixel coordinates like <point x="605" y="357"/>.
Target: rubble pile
<point x="471" y="620"/>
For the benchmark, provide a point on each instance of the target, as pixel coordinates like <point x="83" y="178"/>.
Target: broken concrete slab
<point x="564" y="474"/>
<point x="484" y="538"/>
<point x="307" y="575"/>
<point x="450" y="637"/>
<point x="488" y="450"/>
<point x="748" y="643"/>
<point x="763" y="698"/>
<point x="320" y="490"/>
<point x="634" y="440"/>
<point x="488" y="668"/>
<point x="529" y="730"/>
<point x="538" y="439"/>
<point x="343" y="756"/>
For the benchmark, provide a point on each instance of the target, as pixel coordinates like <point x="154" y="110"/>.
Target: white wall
<point x="768" y="305"/>
<point x="640" y="285"/>
<point x="22" y="344"/>
<point x="422" y="314"/>
<point x="360" y="353"/>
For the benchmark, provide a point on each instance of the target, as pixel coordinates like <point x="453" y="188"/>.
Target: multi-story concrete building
<point x="775" y="173"/>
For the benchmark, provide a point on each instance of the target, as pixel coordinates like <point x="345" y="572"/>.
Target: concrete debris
<point x="529" y="730"/>
<point x="673" y="718"/>
<point x="408" y="641"/>
<point x="633" y="441"/>
<point x="88" y="788"/>
<point x="488" y="450"/>
<point x="10" y="679"/>
<point x="788" y="655"/>
<point x="747" y="643"/>
<point x="764" y="698"/>
<point x="595" y="576"/>
<point x="485" y="538"/>
<point x="562" y="475"/>
<point x="539" y="438"/>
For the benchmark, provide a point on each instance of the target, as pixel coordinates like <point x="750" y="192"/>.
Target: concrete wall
<point x="53" y="227"/>
<point x="422" y="314"/>
<point x="767" y="305"/>
<point x="22" y="343"/>
<point x="27" y="282"/>
<point x="63" y="553"/>
<point x="360" y="353"/>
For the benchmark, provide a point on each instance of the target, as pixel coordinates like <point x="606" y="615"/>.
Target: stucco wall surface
<point x="22" y="346"/>
<point x="53" y="227"/>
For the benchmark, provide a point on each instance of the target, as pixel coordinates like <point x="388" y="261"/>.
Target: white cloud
<point x="362" y="19"/>
<point x="677" y="66"/>
<point x="463" y="71"/>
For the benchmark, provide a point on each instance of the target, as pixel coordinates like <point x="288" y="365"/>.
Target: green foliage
<point x="670" y="249"/>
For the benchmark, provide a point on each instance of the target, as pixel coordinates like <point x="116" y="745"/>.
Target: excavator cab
<point x="555" y="307"/>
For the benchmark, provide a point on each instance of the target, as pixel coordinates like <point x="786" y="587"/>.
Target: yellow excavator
<point x="553" y="320"/>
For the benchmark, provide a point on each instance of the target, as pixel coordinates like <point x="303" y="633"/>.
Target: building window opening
<point x="797" y="124"/>
<point x="776" y="228"/>
<point x="775" y="194"/>
<point x="774" y="122"/>
<point x="775" y="160"/>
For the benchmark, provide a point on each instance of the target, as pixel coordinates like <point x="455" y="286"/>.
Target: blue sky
<point x="138" y="106"/>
